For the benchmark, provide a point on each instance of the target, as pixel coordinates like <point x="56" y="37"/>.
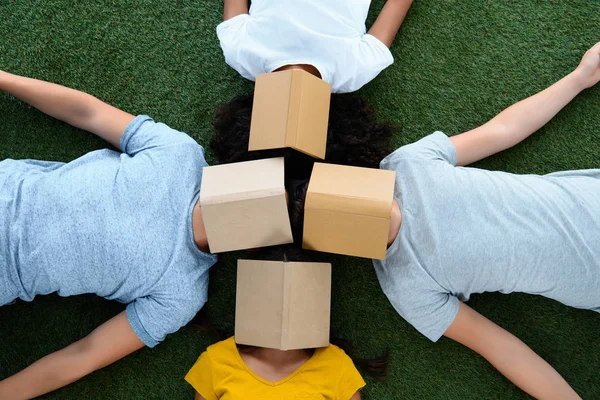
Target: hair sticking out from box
<point x="296" y="189"/>
<point x="354" y="136"/>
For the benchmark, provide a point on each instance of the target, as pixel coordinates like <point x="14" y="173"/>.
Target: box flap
<point x="243" y="180"/>
<point x="270" y="108"/>
<point x="352" y="190"/>
<point x="308" y="305"/>
<point x="313" y="116"/>
<point x="259" y="303"/>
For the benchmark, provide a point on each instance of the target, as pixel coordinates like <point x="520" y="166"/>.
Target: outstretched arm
<point x="110" y="342"/>
<point x="522" y="119"/>
<point x="509" y="355"/>
<point x="389" y="20"/>
<point x="71" y="106"/>
<point x="231" y="8"/>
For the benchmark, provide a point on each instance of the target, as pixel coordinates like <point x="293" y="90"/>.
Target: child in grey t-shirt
<point x="457" y="231"/>
<point x="121" y="224"/>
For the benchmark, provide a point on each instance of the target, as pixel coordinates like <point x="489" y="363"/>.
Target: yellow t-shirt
<point x="220" y="373"/>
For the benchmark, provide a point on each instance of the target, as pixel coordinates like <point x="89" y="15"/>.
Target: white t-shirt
<point x="330" y="35"/>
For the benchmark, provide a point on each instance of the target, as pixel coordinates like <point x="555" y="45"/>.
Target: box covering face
<point x="244" y="205"/>
<point x="283" y="305"/>
<point x="290" y="109"/>
<point x="348" y="209"/>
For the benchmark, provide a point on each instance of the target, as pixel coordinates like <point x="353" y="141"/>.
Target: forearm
<point x="524" y="118"/>
<point x="47" y="374"/>
<point x="69" y="105"/>
<point x="517" y="122"/>
<point x="231" y="8"/>
<point x="76" y="108"/>
<point x="529" y="371"/>
<point x="389" y="20"/>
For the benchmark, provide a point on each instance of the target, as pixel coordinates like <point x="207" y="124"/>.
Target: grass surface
<point x="458" y="62"/>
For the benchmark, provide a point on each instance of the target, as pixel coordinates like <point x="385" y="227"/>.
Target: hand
<point x="588" y="71"/>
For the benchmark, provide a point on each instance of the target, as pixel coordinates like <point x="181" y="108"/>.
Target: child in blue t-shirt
<point x="124" y="225"/>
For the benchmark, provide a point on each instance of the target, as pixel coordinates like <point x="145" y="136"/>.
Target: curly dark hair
<point x="355" y="136"/>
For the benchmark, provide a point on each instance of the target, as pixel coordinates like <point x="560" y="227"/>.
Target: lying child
<point x="326" y="38"/>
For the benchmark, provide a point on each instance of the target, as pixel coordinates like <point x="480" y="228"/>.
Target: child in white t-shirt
<point x="325" y="38"/>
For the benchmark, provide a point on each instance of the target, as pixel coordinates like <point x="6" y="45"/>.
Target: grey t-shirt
<point x="467" y="230"/>
<point x="110" y="223"/>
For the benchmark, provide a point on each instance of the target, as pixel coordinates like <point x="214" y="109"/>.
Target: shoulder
<point x="144" y="134"/>
<point x="363" y="59"/>
<point x="229" y="32"/>
<point x="348" y="380"/>
<point x="335" y="358"/>
<point x="185" y="290"/>
<point x="223" y="349"/>
<point x="224" y="357"/>
<point x="434" y="147"/>
<point x="216" y="353"/>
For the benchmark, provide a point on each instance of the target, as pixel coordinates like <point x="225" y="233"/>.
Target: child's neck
<point x="395" y="222"/>
<point x="274" y="365"/>
<point x="311" y="69"/>
<point x="198" y="228"/>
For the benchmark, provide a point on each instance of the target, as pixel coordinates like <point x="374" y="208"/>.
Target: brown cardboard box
<point x="291" y="109"/>
<point x="244" y="205"/>
<point x="283" y="305"/>
<point x="348" y="209"/>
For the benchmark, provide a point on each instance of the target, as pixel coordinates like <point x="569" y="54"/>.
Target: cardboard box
<point x="244" y="205"/>
<point x="283" y="305"/>
<point x="348" y="210"/>
<point x="290" y="109"/>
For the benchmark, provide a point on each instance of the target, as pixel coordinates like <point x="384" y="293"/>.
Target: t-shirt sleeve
<point x="143" y="133"/>
<point x="350" y="380"/>
<point x="429" y="311"/>
<point x="200" y="376"/>
<point x="153" y="317"/>
<point x="231" y="34"/>
<point x="436" y="146"/>
<point x="371" y="57"/>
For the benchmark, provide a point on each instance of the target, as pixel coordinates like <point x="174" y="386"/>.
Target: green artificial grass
<point x="458" y="62"/>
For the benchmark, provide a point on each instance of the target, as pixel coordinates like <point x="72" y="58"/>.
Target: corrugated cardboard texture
<point x="290" y="109"/>
<point x="347" y="210"/>
<point x="283" y="305"/>
<point x="244" y="205"/>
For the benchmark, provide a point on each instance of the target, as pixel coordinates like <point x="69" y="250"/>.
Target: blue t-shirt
<point x="467" y="230"/>
<point x="114" y="224"/>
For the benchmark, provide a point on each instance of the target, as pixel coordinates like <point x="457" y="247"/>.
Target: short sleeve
<point x="143" y="133"/>
<point x="436" y="146"/>
<point x="200" y="376"/>
<point x="371" y="57"/>
<point x="230" y="34"/>
<point x="153" y="317"/>
<point x="428" y="311"/>
<point x="350" y="380"/>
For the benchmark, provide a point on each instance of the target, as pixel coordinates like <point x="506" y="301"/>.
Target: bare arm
<point x="356" y="396"/>
<point x="232" y="8"/>
<point x="71" y="106"/>
<point x="197" y="396"/>
<point x="110" y="342"/>
<point x="522" y="119"/>
<point x="509" y="355"/>
<point x="389" y="20"/>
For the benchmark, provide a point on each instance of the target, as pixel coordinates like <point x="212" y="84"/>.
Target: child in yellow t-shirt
<point x="227" y="371"/>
